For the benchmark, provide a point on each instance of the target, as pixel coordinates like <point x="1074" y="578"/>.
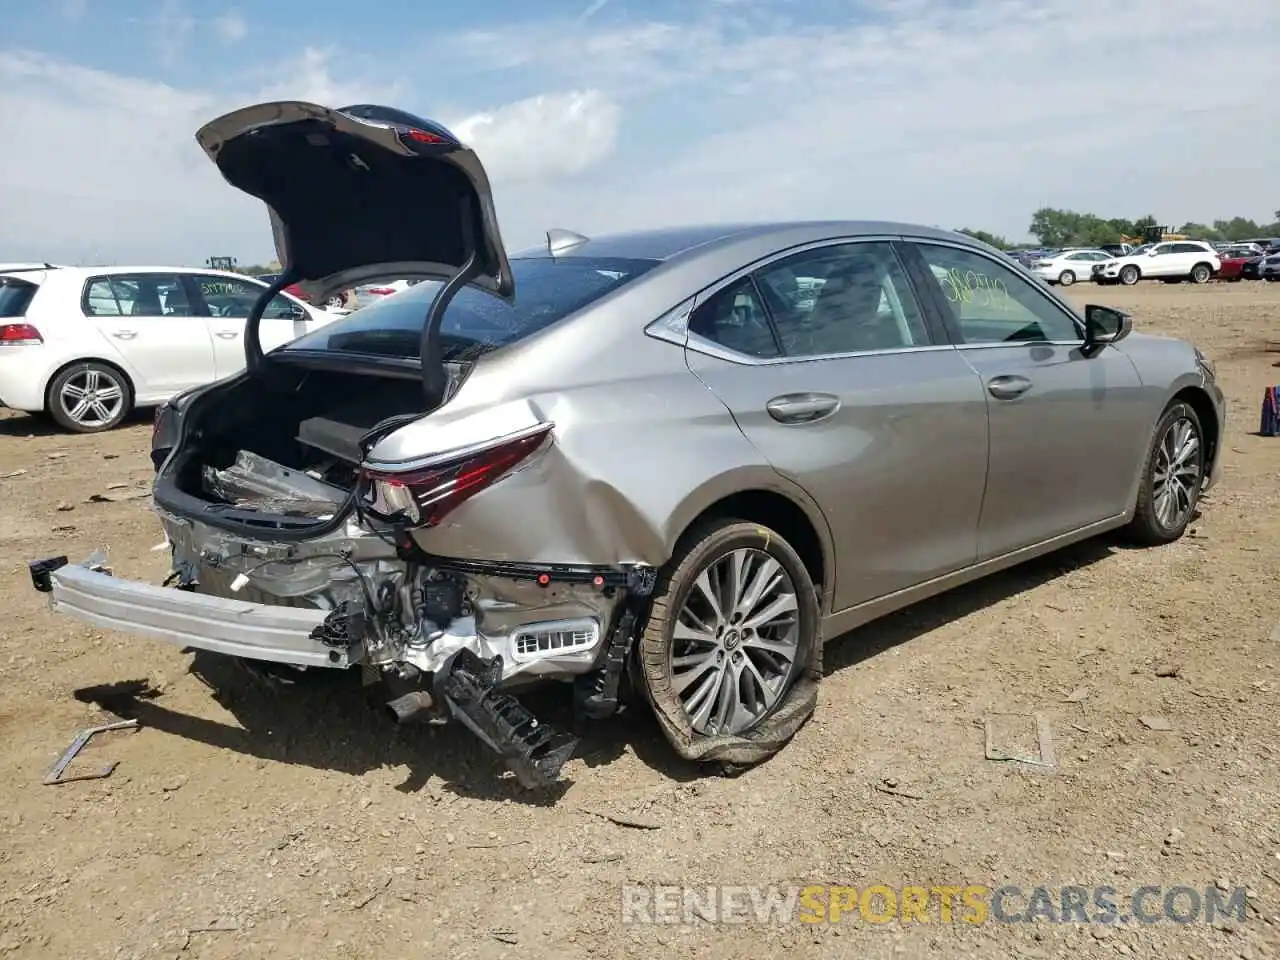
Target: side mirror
<point x="1103" y="325"/>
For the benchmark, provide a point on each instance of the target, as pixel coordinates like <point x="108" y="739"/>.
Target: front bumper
<point x="191" y="620"/>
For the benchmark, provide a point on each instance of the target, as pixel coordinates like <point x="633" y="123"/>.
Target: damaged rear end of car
<point x="298" y="516"/>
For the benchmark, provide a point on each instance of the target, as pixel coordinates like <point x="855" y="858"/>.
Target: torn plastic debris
<point x="532" y="751"/>
<point x="256" y="482"/>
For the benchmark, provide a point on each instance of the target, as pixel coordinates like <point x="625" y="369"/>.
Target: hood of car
<point x="362" y="193"/>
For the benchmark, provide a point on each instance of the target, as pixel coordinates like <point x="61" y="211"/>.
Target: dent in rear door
<point x="898" y="466"/>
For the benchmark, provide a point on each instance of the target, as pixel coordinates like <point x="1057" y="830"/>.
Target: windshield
<point x="1145" y="248"/>
<point x="547" y="290"/>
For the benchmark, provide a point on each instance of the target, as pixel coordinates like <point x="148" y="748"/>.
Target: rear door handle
<point x="228" y="334"/>
<point x="802" y="407"/>
<point x="124" y="334"/>
<point x="1008" y="387"/>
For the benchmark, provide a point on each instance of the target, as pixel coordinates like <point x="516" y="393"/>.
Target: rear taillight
<point x="380" y="291"/>
<point x="421" y="498"/>
<point x="19" y="335"/>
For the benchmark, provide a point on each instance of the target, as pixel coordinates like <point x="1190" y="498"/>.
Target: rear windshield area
<point x="547" y="290"/>
<point x="15" y="296"/>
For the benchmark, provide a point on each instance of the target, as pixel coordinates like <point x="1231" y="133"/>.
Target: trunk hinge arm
<point x="253" y="355"/>
<point x="435" y="378"/>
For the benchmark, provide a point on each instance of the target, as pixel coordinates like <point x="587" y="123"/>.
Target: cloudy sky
<point x="610" y="114"/>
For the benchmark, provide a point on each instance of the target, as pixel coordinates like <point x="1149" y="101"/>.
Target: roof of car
<point x="113" y="269"/>
<point x="668" y="242"/>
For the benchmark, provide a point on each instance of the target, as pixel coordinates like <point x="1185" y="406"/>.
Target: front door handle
<point x="124" y="334"/>
<point x="228" y="334"/>
<point x="1008" y="387"/>
<point x="802" y="407"/>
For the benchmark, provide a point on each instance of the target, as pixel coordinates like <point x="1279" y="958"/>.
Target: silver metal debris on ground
<point x="55" y="774"/>
<point x="1044" y="734"/>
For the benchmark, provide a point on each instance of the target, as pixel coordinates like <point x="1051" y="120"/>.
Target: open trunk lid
<point x="362" y="193"/>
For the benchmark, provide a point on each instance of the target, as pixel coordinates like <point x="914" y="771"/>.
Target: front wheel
<point x="1201" y="273"/>
<point x="733" y="627"/>
<point x="1171" y="482"/>
<point x="89" y="397"/>
<point x="1066" y="278"/>
<point x="1130" y="275"/>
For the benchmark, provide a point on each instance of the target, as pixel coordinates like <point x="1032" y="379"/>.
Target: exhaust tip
<point x="411" y="706"/>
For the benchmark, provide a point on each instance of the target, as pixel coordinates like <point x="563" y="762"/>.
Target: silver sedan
<point x="672" y="461"/>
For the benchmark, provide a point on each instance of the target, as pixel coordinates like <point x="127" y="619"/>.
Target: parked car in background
<point x="1069" y="266"/>
<point x="457" y="506"/>
<point x="88" y="344"/>
<point x="1172" y="261"/>
<point x="1269" y="267"/>
<point x="1117" y="249"/>
<point x="368" y="293"/>
<point x="1234" y="260"/>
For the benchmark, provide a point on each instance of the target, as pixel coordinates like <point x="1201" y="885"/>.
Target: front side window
<point x="231" y="297"/>
<point x="992" y="304"/>
<point x="475" y="322"/>
<point x="137" y="295"/>
<point x="850" y="298"/>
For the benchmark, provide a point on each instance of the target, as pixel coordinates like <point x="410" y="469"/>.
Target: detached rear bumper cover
<point x="188" y="619"/>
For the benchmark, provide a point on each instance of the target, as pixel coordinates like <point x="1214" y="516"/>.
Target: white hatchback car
<point x="88" y="344"/>
<point x="1171" y="261"/>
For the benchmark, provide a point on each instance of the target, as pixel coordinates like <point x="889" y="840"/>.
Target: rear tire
<point x="736" y="659"/>
<point x="1172" y="480"/>
<point x="1130" y="275"/>
<point x="1066" y="278"/>
<point x="89" y="397"/>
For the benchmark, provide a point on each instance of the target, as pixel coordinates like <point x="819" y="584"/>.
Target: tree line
<point x="1067" y="228"/>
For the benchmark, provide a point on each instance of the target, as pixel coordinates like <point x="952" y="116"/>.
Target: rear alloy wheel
<point x="1130" y="275"/>
<point x="1066" y="278"/>
<point x="1201" y="273"/>
<point x="1173" y="478"/>
<point x="89" y="398"/>
<point x="730" y="630"/>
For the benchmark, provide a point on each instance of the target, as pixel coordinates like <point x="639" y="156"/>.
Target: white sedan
<point x="88" y="344"/>
<point x="1069" y="266"/>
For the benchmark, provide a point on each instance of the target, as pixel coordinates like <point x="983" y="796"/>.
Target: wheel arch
<point x="58" y="371"/>
<point x="1199" y="400"/>
<point x="784" y="515"/>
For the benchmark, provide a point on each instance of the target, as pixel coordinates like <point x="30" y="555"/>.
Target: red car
<point x="1233" y="261"/>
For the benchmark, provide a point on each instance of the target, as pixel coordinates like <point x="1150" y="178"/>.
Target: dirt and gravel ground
<point x="296" y="822"/>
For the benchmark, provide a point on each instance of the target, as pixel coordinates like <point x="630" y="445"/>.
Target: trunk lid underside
<point x="362" y="193"/>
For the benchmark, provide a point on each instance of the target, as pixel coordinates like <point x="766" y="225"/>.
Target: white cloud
<point x="102" y="167"/>
<point x="554" y="135"/>
<point x="970" y="114"/>
<point x="231" y="26"/>
<point x="973" y="114"/>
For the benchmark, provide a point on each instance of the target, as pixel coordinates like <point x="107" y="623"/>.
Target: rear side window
<point x="15" y="296"/>
<point x="547" y="290"/>
<point x="137" y="295"/>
